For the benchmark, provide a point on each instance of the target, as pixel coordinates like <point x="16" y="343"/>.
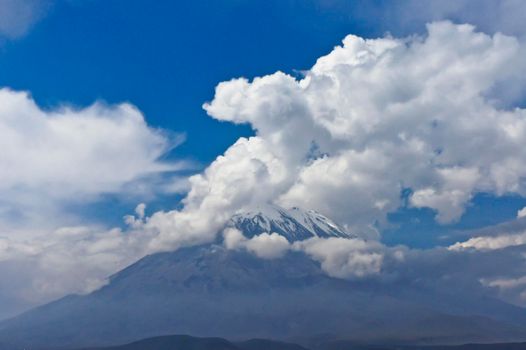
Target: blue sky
<point x="119" y="84"/>
<point x="166" y="61"/>
<point x="166" y="58"/>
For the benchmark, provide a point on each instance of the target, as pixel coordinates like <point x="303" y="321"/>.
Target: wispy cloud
<point x="18" y="16"/>
<point x="54" y="158"/>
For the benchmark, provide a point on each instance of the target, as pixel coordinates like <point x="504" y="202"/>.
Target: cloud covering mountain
<point x="435" y="115"/>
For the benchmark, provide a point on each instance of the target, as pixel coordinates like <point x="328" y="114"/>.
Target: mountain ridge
<point x="185" y="342"/>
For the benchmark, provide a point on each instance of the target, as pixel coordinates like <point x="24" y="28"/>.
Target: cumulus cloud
<point x="244" y="176"/>
<point x="267" y="246"/>
<point x="372" y="118"/>
<point x="345" y="258"/>
<point x="521" y="213"/>
<point x="339" y="257"/>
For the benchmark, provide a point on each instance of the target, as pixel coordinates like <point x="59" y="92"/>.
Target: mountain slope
<point x="211" y="291"/>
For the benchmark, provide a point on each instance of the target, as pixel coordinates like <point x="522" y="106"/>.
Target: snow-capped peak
<point x="294" y="224"/>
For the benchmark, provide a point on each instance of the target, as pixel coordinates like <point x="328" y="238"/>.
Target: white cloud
<point x="53" y="157"/>
<point x="345" y="258"/>
<point x="371" y="118"/>
<point x="266" y="246"/>
<point x="521" y="213"/>
<point x="491" y="242"/>
<point x="247" y="174"/>
<point x="137" y="220"/>
<point x="67" y="260"/>
<point x="506" y="283"/>
<point x="140" y="210"/>
<point x="339" y="257"/>
<point x="233" y="238"/>
<point x="511" y="288"/>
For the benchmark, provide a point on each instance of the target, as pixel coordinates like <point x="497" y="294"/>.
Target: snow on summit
<point x="294" y="224"/>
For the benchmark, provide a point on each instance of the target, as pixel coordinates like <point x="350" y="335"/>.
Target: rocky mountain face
<point x="210" y="291"/>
